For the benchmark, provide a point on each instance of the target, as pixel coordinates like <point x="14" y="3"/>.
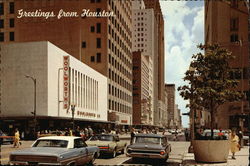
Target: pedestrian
<point x="132" y="135"/>
<point x="90" y="131"/>
<point x="77" y="132"/>
<point x="240" y="135"/>
<point x="186" y="134"/>
<point x="70" y="132"/>
<point x="66" y="132"/>
<point x="234" y="139"/>
<point x="86" y="133"/>
<point x="16" y="142"/>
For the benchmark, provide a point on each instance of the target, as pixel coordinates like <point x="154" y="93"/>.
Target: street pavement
<point x="178" y="156"/>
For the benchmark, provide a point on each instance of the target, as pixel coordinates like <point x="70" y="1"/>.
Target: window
<point x="234" y="24"/>
<point x="1" y="9"/>
<point x="92" y="29"/>
<point x="1" y="36"/>
<point x="98" y="42"/>
<point x="78" y="143"/>
<point x="12" y="36"/>
<point x="234" y="38"/>
<point x="83" y="44"/>
<point x="92" y="1"/>
<point x="98" y="28"/>
<point x="98" y="1"/>
<point x="12" y="9"/>
<point x="1" y="23"/>
<point x="12" y="22"/>
<point x="92" y="59"/>
<point x="98" y="57"/>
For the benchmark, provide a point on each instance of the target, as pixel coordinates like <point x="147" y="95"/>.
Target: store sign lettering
<point x="66" y="82"/>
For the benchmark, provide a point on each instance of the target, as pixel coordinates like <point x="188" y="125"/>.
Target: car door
<point x="82" y="151"/>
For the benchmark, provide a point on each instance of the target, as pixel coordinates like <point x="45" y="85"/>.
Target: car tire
<point x="93" y="159"/>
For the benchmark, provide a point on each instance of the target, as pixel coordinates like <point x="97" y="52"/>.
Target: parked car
<point x="107" y="143"/>
<point x="207" y="134"/>
<point x="56" y="150"/>
<point x="4" y="138"/>
<point x="149" y="146"/>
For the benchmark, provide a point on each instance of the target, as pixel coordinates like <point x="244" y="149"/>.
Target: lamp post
<point x="34" y="112"/>
<point x="73" y="116"/>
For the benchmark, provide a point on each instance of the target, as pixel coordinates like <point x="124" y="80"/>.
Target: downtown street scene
<point x="124" y="82"/>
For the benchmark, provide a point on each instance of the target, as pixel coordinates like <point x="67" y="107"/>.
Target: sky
<point x="183" y="31"/>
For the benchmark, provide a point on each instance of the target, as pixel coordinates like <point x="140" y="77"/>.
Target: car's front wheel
<point x="93" y="159"/>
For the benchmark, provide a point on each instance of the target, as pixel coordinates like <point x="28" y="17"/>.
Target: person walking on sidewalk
<point x="16" y="143"/>
<point x="234" y="143"/>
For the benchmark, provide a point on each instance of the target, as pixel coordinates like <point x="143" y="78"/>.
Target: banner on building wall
<point x="66" y="82"/>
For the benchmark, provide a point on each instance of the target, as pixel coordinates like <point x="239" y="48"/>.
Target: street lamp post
<point x="73" y="116"/>
<point x="34" y="112"/>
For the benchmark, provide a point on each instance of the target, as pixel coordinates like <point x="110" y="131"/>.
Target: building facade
<point x="145" y="39"/>
<point x="226" y="23"/>
<point x="62" y="82"/>
<point x="142" y="107"/>
<point x="103" y="43"/>
<point x="170" y="88"/>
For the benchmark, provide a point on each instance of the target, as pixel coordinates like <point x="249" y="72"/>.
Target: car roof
<point x="66" y="138"/>
<point x="150" y="135"/>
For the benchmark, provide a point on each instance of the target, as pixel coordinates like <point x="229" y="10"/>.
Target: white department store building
<point x="61" y="81"/>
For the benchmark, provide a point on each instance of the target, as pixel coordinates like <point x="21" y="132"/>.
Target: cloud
<point x="184" y="29"/>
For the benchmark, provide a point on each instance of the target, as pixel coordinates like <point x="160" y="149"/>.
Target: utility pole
<point x="34" y="112"/>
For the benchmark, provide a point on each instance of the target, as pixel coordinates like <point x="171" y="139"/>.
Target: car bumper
<point x="27" y="163"/>
<point x="147" y="155"/>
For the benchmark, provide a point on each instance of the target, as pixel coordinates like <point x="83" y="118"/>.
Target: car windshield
<point x="51" y="143"/>
<point x="150" y="140"/>
<point x="102" y="138"/>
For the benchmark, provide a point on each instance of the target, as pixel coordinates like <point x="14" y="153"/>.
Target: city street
<point x="175" y="158"/>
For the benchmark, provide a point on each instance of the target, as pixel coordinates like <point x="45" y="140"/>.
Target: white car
<point x="56" y="150"/>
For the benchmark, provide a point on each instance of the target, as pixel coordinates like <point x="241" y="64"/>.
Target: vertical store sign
<point x="66" y="82"/>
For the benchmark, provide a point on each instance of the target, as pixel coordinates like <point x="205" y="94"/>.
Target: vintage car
<point x="4" y="138"/>
<point x="56" y="150"/>
<point x="107" y="143"/>
<point x="149" y="146"/>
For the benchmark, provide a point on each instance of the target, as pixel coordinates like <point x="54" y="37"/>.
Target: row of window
<point x="11" y="8"/>
<point x="119" y="93"/>
<point x="84" y="90"/>
<point x="120" y="41"/>
<point x="11" y="36"/>
<point x="120" y="67"/>
<point x="118" y="79"/>
<point x="98" y="43"/>
<point x="127" y="10"/>
<point x="98" y="28"/>
<point x="119" y="53"/>
<point x="97" y="58"/>
<point x="11" y="23"/>
<point x="113" y="105"/>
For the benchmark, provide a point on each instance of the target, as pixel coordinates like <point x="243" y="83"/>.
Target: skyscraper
<point x="226" y="23"/>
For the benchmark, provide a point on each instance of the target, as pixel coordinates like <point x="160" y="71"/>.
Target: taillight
<point x="103" y="147"/>
<point x="162" y="152"/>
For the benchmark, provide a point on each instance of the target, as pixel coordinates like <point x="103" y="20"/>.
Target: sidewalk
<point x="242" y="159"/>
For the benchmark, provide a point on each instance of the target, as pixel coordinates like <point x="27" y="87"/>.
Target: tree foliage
<point x="209" y="81"/>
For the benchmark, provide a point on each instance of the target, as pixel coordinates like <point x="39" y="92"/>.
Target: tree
<point x="210" y="81"/>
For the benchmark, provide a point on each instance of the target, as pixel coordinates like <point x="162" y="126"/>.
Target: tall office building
<point x="155" y="5"/>
<point x="103" y="43"/>
<point x="142" y="107"/>
<point x="170" y="88"/>
<point x="144" y="37"/>
<point x="226" y="23"/>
